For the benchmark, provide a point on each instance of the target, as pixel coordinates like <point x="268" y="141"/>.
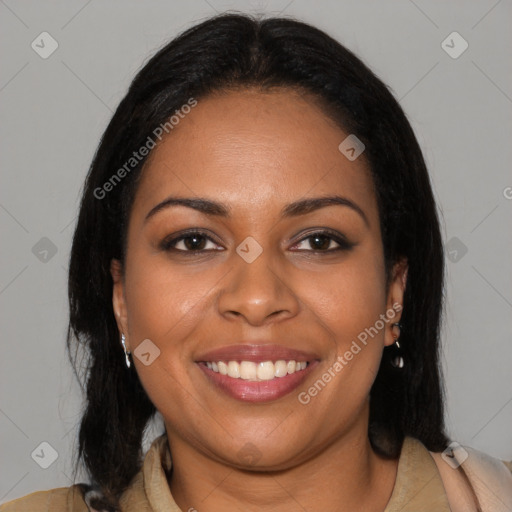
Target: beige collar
<point x="418" y="484"/>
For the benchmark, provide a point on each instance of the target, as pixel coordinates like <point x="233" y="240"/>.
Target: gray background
<point x="54" y="110"/>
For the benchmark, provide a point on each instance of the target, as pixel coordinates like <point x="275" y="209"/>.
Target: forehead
<point x="250" y="148"/>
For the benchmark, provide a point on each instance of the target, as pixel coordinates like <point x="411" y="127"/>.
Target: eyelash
<point x="168" y="244"/>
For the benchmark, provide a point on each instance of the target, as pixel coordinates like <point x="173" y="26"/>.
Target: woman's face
<point x="257" y="278"/>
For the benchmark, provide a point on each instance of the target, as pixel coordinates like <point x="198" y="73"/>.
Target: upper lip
<point x="256" y="353"/>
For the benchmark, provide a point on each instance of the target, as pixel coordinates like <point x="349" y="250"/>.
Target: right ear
<point x="118" y="297"/>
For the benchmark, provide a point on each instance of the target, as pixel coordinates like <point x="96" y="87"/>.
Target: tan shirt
<point x="418" y="487"/>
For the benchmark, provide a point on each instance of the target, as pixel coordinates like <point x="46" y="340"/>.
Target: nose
<point x="258" y="291"/>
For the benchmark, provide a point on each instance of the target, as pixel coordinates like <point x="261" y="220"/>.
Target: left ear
<point x="118" y="298"/>
<point x="395" y="298"/>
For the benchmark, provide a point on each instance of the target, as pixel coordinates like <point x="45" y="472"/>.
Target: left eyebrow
<point x="295" y="209"/>
<point x="315" y="203"/>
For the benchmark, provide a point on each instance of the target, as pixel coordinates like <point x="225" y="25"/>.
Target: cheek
<point x="165" y="303"/>
<point x="349" y="303"/>
<point x="351" y="298"/>
<point x="165" y="300"/>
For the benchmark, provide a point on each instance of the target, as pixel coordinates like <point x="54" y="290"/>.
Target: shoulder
<point x="61" y="499"/>
<point x="471" y="476"/>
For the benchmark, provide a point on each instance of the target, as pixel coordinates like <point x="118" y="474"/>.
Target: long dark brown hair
<point x="233" y="51"/>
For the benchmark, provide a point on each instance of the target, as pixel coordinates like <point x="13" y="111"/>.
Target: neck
<point x="345" y="475"/>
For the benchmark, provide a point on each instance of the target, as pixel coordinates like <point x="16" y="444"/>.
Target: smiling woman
<point x="273" y="272"/>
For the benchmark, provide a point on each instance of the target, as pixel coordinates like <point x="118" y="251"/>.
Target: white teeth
<point x="281" y="368"/>
<point x="248" y="370"/>
<point x="265" y="370"/>
<point x="223" y="368"/>
<point x="233" y="369"/>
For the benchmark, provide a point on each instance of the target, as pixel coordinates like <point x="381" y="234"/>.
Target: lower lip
<point x="258" y="391"/>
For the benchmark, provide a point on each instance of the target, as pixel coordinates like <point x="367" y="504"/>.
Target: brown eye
<point x="320" y="242"/>
<point x="323" y="241"/>
<point x="193" y="243"/>
<point x="190" y="242"/>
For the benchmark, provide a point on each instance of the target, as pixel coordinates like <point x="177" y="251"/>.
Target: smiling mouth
<point x="246" y="385"/>
<point x="256" y="372"/>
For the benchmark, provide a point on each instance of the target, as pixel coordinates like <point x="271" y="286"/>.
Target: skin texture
<point x="257" y="152"/>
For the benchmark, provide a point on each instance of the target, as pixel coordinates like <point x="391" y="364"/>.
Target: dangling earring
<point x="397" y="360"/>
<point x="126" y="352"/>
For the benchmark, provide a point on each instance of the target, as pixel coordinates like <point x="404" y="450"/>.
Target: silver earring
<point x="397" y="360"/>
<point x="126" y="352"/>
